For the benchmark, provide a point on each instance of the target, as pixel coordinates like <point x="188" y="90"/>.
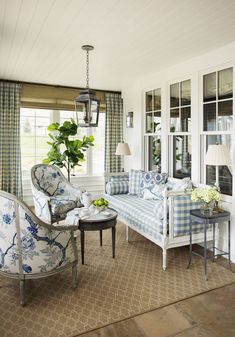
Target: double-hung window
<point x="152" y="134"/>
<point x="180" y="148"/>
<point x="217" y="124"/>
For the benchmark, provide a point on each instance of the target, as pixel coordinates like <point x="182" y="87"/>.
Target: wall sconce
<point x="129" y="119"/>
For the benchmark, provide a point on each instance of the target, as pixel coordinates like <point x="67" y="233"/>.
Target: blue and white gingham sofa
<point x="164" y="222"/>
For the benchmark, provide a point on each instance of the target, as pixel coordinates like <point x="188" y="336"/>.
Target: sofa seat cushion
<point x="61" y="204"/>
<point x="138" y="211"/>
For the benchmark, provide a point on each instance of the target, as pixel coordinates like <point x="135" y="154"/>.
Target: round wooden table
<point x="98" y="222"/>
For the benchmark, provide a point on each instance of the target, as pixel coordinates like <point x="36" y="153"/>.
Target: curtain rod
<point x="60" y="86"/>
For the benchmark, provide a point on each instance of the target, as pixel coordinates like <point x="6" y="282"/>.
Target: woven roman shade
<point x="40" y="96"/>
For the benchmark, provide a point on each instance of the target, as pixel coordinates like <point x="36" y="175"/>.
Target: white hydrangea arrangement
<point x="206" y="195"/>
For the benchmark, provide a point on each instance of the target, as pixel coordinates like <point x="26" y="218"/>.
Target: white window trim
<point x="146" y="135"/>
<point x="202" y="133"/>
<point x="168" y="123"/>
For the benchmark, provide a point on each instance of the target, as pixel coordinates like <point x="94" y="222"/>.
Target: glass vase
<point x="207" y="208"/>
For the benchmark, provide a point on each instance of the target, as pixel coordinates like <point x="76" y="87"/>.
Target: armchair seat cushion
<point x="61" y="204"/>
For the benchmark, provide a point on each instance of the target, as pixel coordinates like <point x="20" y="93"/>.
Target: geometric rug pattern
<point x="108" y="289"/>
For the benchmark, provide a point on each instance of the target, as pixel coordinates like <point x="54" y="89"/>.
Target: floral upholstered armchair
<point x="53" y="195"/>
<point x="30" y="248"/>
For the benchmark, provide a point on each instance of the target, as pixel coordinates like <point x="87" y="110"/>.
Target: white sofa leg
<point x="127" y="233"/>
<point x="164" y="259"/>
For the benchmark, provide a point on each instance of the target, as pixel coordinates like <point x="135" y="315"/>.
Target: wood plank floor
<point x="207" y="315"/>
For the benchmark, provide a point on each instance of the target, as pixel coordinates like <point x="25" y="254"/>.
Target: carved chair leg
<point x="22" y="292"/>
<point x="164" y="259"/>
<point x="74" y="276"/>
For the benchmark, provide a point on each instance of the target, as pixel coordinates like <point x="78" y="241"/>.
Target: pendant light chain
<point x="87" y="104"/>
<point x="87" y="68"/>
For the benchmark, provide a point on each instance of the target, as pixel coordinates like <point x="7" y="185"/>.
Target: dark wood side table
<point x="99" y="223"/>
<point x="196" y="216"/>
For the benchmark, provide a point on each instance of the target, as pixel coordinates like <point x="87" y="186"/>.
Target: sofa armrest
<point x="115" y="174"/>
<point x="118" y="187"/>
<point x="115" y="177"/>
<point x="172" y="194"/>
<point x="180" y="205"/>
<point x="165" y="213"/>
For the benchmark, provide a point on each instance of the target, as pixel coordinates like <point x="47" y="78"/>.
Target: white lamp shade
<point x="217" y="155"/>
<point x="123" y="149"/>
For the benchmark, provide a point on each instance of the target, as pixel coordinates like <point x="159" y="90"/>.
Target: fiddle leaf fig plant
<point x="64" y="151"/>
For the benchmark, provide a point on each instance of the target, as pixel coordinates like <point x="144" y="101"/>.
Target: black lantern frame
<point x="87" y="104"/>
<point x="87" y="108"/>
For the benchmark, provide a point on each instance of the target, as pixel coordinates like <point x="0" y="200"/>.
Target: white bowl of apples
<point x="101" y="204"/>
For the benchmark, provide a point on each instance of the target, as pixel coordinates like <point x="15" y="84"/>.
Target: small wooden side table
<point x="196" y="216"/>
<point x="99" y="223"/>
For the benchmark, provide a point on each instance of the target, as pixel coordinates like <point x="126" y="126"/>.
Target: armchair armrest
<point x="64" y="227"/>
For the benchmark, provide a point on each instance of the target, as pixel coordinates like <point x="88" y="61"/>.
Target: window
<point x="218" y="101"/>
<point x="217" y="124"/>
<point x="34" y="137"/>
<point x="153" y="129"/>
<point x="180" y="128"/>
<point x="180" y="106"/>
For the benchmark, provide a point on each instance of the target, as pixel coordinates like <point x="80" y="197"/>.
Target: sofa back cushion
<point x="117" y="187"/>
<point x="134" y="181"/>
<point x="174" y="184"/>
<point x="149" y="179"/>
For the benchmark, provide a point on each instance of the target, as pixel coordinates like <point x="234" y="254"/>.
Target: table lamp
<point x="123" y="150"/>
<point x="217" y="155"/>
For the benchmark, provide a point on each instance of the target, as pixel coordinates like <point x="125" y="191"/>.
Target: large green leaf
<point x="64" y="151"/>
<point x="53" y="127"/>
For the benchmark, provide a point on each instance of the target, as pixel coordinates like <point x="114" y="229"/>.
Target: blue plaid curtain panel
<point x="10" y="151"/>
<point x="113" y="131"/>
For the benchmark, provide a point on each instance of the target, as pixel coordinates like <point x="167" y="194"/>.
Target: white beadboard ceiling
<point x="40" y="40"/>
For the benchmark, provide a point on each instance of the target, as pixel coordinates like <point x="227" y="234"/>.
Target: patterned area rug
<point x="109" y="289"/>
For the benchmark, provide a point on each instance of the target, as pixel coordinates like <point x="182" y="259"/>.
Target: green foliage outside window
<point x="66" y="152"/>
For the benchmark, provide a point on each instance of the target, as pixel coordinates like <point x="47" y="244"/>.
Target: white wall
<point x="133" y="95"/>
